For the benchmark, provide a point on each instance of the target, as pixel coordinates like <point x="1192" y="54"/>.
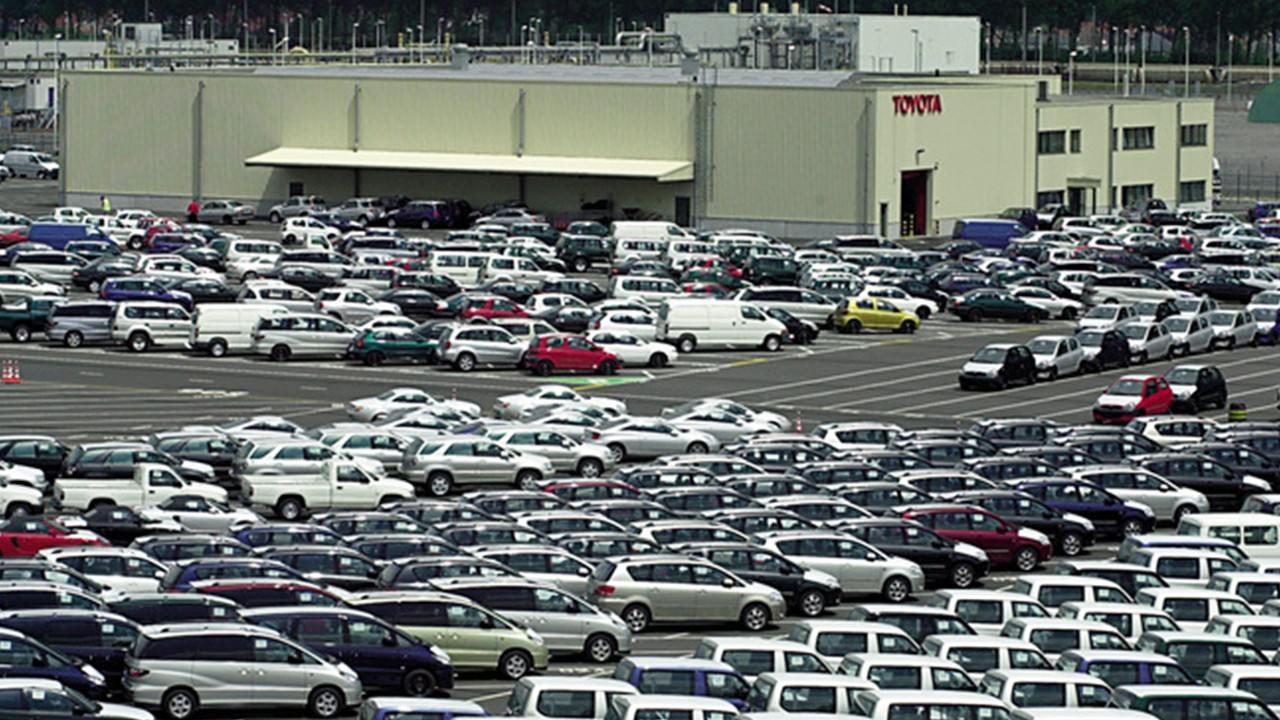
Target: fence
<point x="1250" y="184"/>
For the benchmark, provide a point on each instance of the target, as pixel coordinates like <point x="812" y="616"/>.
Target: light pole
<point x="1071" y="73"/>
<point x="410" y="31"/>
<point x="57" y="87"/>
<point x="355" y="29"/>
<point x="1128" y="44"/>
<point x="1231" y="44"/>
<point x="1115" y="62"/>
<point x="245" y="27"/>
<point x="1271" y="54"/>
<point x="381" y="35"/>
<point x="915" y="49"/>
<point x="439" y="31"/>
<point x="1186" y="68"/>
<point x="1039" y="50"/>
<point x="273" y="44"/>
<point x="1142" y="62"/>
<point x="21" y="23"/>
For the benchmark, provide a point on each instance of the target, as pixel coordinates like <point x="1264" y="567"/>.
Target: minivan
<point x="1258" y="535"/>
<point x="228" y="327"/>
<point x="57" y="235"/>
<point x="23" y="163"/>
<point x="717" y="324"/>
<point x="565" y="697"/>
<point x="286" y="335"/>
<point x="24" y="656"/>
<point x="97" y="637"/>
<point x="648" y="230"/>
<point x="655" y="675"/>
<point x="907" y="672"/>
<point x="464" y="268"/>
<point x="992" y="233"/>
<point x="75" y="323"/>
<point x="646" y="288"/>
<point x="796" y="692"/>
<point x="1175" y="702"/>
<point x="753" y="656"/>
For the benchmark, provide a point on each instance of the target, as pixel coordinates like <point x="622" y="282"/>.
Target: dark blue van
<point x="383" y="656"/>
<point x="96" y="637"/>
<point x="989" y="232"/>
<point x="22" y="656"/>
<point x="684" y="676"/>
<point x="57" y="235"/>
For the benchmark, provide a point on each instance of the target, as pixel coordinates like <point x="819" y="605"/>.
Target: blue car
<point x="173" y="242"/>
<point x="96" y="637"/>
<point x="420" y="214"/>
<point x="1126" y="667"/>
<point x="1111" y="516"/>
<point x="136" y="287"/>
<point x="684" y="676"/>
<point x="22" y="656"/>
<point x="383" y="656"/>
<point x="389" y="708"/>
<point x="182" y="574"/>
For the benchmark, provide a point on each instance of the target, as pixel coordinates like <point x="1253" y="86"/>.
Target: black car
<point x="165" y="608"/>
<point x="205" y="257"/>
<point x="1225" y="288"/>
<point x="121" y="525"/>
<point x="211" y="448"/>
<point x="1225" y="488"/>
<point x="117" y="460"/>
<point x="439" y="285"/>
<point x="1109" y="348"/>
<point x="569" y="318"/>
<point x="879" y="497"/>
<point x="307" y="278"/>
<point x="1197" y="387"/>
<point x="943" y="563"/>
<point x="1241" y="458"/>
<point x="43" y="452"/>
<point x="1007" y="468"/>
<point x="752" y="520"/>
<point x="1011" y="363"/>
<point x="416" y="573"/>
<point x="91" y="277"/>
<point x="1056" y="455"/>
<point x="580" y="252"/>
<point x="807" y="593"/>
<point x="768" y="485"/>
<point x="920" y="289"/>
<point x="1070" y="537"/>
<point x="279" y="534"/>
<point x="517" y="292"/>
<point x="585" y="290"/>
<point x="414" y="303"/>
<point x="206" y="290"/>
<point x="1265" y="440"/>
<point x="771" y="270"/>
<point x="601" y="545"/>
<point x="836" y="472"/>
<point x="391" y="546"/>
<point x="99" y="638"/>
<point x="328" y="565"/>
<point x="1014" y="432"/>
<point x="643" y="267"/>
<point x="1107" y="448"/>
<point x="172" y="548"/>
<point x="799" y="332"/>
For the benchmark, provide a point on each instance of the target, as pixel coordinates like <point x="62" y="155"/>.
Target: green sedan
<point x="375" y="347"/>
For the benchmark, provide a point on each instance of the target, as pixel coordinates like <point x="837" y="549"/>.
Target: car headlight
<point x="775" y="596"/>
<point x="441" y="655"/>
<point x="534" y="636"/>
<point x="93" y="675"/>
<point x="1130" y="405"/>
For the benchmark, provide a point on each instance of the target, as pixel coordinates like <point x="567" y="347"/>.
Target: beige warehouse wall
<point x="1095" y="146"/>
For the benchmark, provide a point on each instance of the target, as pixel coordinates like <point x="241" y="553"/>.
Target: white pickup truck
<point x="340" y="485"/>
<point x="151" y="484"/>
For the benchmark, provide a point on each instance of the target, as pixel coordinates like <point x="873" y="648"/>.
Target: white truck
<point x="340" y="485"/>
<point x="151" y="484"/>
<point x="20" y="499"/>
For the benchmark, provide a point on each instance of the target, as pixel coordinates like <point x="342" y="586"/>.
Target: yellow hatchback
<point x="856" y="314"/>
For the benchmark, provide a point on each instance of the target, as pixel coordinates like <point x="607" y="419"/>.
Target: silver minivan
<point x="288" y="335"/>
<point x="36" y="164"/>
<point x="183" y="668"/>
<point x="76" y="323"/>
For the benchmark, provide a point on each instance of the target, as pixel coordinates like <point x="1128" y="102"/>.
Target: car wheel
<point x="280" y="353"/>
<point x="95" y="286"/>
<point x="1001" y="382"/>
<point x="1143" y="358"/>
<point x="431" y="358"/>
<point x="975" y="316"/>
<point x="657" y="360"/>
<point x="290" y="508"/>
<point x="1231" y="344"/>
<point x="528" y="479"/>
<point x="226" y="219"/>
<point x="139" y="342"/>
<point x="275" y="217"/>
<point x="1132" y="526"/>
<point x="755" y="617"/>
<point x="73" y="339"/>
<point x="180" y="704"/>
<point x="1071" y="544"/>
<point x="1026" y="559"/>
<point x="218" y="348"/>
<point x="426" y="224"/>
<point x="686" y="344"/>
<point x="542" y="368"/>
<point x="923" y="312"/>
<point x="697" y="448"/>
<point x="617" y="452"/>
<point x="418" y="683"/>
<point x="637" y="618"/>
<point x="1053" y="373"/>
<point x="896" y="589"/>
<point x="772" y="343"/>
<point x="439" y="484"/>
<point x="600" y="648"/>
<point x="1069" y="313"/>
<point x="374" y="359"/>
<point x="21" y="333"/>
<point x="590" y="468"/>
<point x="580" y="264"/>
<point x="325" y="702"/>
<point x="962" y="575"/>
<point x="466" y="362"/>
<point x="853" y="327"/>
<point x="391" y="222"/>
<point x="1182" y="511"/>
<point x="964" y="384"/>
<point x="812" y="603"/>
<point x="908" y="327"/>
<point x="608" y="367"/>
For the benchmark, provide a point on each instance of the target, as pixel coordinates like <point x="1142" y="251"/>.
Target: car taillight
<point x="597" y="324"/>
<point x="259" y="336"/>
<point x="136" y="672"/>
<point x="320" y="306"/>
<point x="360" y="343"/>
<point x="103" y="294"/>
<point x="448" y="344"/>
<point x="603" y="590"/>
<point x="595" y="435"/>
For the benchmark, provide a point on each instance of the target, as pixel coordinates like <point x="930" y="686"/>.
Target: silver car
<point x="566" y="454"/>
<point x="641" y="437"/>
<point x="352" y="305"/>
<point x="225" y="212"/>
<point x="363" y="210"/>
<point x="297" y="206"/>
<point x="466" y="347"/>
<point x="76" y="323"/>
<point x="542" y="563"/>
<point x="442" y="463"/>
<point x="568" y="624"/>
<point x="183" y="668"/>
<point x="288" y="335"/>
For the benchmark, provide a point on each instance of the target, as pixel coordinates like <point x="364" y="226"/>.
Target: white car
<point x="386" y="322"/>
<point x="1232" y="328"/>
<point x="725" y="427"/>
<point x="633" y="438"/>
<point x="302" y="229"/>
<point x="172" y="267"/>
<point x="1111" y="316"/>
<point x="779" y="422"/>
<point x="133" y="218"/>
<point x="1191" y="333"/>
<point x="17" y="284"/>
<point x="640" y="323"/>
<point x="1148" y="340"/>
<point x="201" y="515"/>
<point x="633" y="351"/>
<point x="1059" y="307"/>
<point x="352" y="305"/>
<point x="544" y="302"/>
<point x="119" y="568"/>
<point x="511" y="407"/>
<point x="397" y="401"/>
<point x="1056" y="355"/>
<point x="1267" y="303"/>
<point x="248" y="267"/>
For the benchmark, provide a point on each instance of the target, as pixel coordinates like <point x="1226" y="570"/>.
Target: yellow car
<point x="854" y="314"/>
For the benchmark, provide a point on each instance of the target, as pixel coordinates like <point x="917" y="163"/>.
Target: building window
<point x="1139" y="138"/>
<point x="1114" y="146"/>
<point x="1134" y="195"/>
<point x="1191" y="191"/>
<point x="1049" y="197"/>
<point x="1195" y="135"/>
<point x="1075" y="141"/>
<point x="1053" y="142"/>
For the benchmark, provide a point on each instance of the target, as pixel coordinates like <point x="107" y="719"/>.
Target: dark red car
<point x="1004" y="542"/>
<point x="702" y="288"/>
<point x="25" y="536"/>
<point x="716" y="264"/>
<point x="549" y="353"/>
<point x="491" y="308"/>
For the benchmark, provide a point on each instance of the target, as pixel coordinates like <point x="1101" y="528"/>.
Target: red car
<point x="548" y="353"/>
<point x="702" y="288"/>
<point x="1004" y="542"/>
<point x="716" y="264"/>
<point x="491" y="308"/>
<point x="1132" y="396"/>
<point x="267" y="592"/>
<point x="26" y="536"/>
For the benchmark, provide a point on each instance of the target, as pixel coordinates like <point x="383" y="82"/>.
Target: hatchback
<point x="549" y="353"/>
<point x="1004" y="543"/>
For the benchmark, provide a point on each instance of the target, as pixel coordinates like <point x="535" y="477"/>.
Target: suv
<point x="361" y="210"/>
<point x="580" y="252"/>
<point x="441" y="463"/>
<point x="144" y="324"/>
<point x="660" y="588"/>
<point x="182" y="668"/>
<point x="297" y="206"/>
<point x="467" y="346"/>
<point x="548" y="353"/>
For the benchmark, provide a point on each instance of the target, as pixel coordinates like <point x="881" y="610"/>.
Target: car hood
<point x="203" y="468"/>
<point x="1078" y="519"/>
<point x="1182" y="392"/>
<point x="114" y="711"/>
<point x="1094" y="323"/>
<point x="819" y="577"/>
<point x="982" y="367"/>
<point x="972" y="551"/>
<point x="1121" y="400"/>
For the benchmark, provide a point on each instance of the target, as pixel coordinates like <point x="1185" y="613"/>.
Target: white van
<point x="646" y="288"/>
<point x="219" y="328"/>
<point x="290" y="335"/>
<point x="463" y="267"/>
<point x="805" y="692"/>
<point x="696" y="323"/>
<point x="648" y="230"/>
<point x="36" y="164"/>
<point x="639" y="249"/>
<point x="1256" y="534"/>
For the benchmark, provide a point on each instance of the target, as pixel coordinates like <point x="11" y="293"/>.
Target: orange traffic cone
<point x="16" y="373"/>
<point x="9" y="377"/>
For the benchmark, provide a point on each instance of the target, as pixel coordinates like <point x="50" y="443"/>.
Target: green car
<point x="23" y="317"/>
<point x="375" y="347"/>
<point x="580" y="252"/>
<point x="712" y="275"/>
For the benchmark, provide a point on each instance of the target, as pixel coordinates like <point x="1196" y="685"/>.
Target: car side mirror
<point x="1110" y="502"/>
<point x="40" y="661"/>
<point x="486" y="624"/>
<point x="583" y="572"/>
<point x="727" y="582"/>
<point x="295" y="658"/>
<point x="388" y="641"/>
<point x="1003" y="529"/>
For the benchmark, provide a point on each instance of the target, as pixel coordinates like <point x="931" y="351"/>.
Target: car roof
<point x="646" y="662"/>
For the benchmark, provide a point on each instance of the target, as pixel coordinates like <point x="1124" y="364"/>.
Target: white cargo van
<point x="628" y="249"/>
<point x="648" y="230"/>
<point x="717" y="324"/>
<point x="463" y="267"/>
<point x="1256" y="534"/>
<point x="220" y="328"/>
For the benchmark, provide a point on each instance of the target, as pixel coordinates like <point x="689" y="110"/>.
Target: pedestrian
<point x="106" y="204"/>
<point x="193" y="211"/>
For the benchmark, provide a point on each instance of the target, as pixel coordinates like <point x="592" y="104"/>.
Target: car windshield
<point x="1104" y="312"/>
<point x="1135" y="332"/>
<point x="1043" y="347"/>
<point x="1222" y="318"/>
<point x="1126" y="386"/>
<point x="1183" y="376"/>
<point x="1178" y="324"/>
<point x="990" y="355"/>
<point x="1187" y="304"/>
<point x="1266" y="298"/>
<point x="1090" y="339"/>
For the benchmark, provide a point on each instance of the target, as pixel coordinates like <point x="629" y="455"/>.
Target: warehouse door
<point x="914" y="203"/>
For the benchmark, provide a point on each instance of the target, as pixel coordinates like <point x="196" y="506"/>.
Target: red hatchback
<point x="1132" y="396"/>
<point x="491" y="308"/>
<point x="548" y="353"/>
<point x="27" y="535"/>
<point x="1004" y="542"/>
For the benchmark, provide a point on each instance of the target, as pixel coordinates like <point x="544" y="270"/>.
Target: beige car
<point x="679" y="589"/>
<point x="567" y="455"/>
<point x="442" y="463"/>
